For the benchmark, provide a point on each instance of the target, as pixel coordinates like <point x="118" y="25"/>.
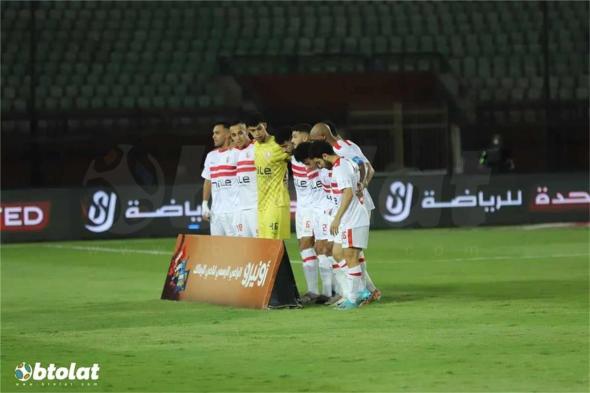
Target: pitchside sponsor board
<point x="243" y="272"/>
<point x="447" y="201"/>
<point x="422" y="201"/>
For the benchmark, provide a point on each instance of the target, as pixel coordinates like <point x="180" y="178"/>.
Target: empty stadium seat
<point x="99" y="50"/>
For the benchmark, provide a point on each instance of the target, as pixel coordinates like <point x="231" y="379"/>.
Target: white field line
<point x="394" y="260"/>
<point x="109" y="249"/>
<point x="555" y="225"/>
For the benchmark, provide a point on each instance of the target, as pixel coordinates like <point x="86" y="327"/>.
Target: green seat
<point x="395" y="44"/>
<point x="204" y="101"/>
<point x="189" y="102"/>
<point x="380" y="45"/>
<point x="144" y="102"/>
<point x="129" y="102"/>
<point x="97" y="102"/>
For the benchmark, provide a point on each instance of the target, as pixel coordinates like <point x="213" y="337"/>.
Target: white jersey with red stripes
<point x="346" y="174"/>
<point x="350" y="150"/>
<point x="327" y="203"/>
<point x="304" y="180"/>
<point x="220" y="169"/>
<point x="246" y="178"/>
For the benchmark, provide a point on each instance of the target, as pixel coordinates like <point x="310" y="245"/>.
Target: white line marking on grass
<point x="556" y="225"/>
<point x="490" y="258"/>
<point x="505" y="257"/>
<point x="108" y="249"/>
<point x="297" y="261"/>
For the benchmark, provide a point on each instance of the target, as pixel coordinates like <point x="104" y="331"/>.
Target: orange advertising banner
<point x="237" y="271"/>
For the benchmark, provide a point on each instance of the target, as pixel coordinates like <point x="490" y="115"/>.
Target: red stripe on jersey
<point x="247" y="169"/>
<point x="245" y="162"/>
<point x="336" y="146"/>
<point x="222" y="167"/>
<point x="347" y="142"/>
<point x="336" y="191"/>
<point x="311" y="258"/>
<point x="337" y="162"/>
<point x="299" y="176"/>
<point x="350" y="239"/>
<point x="334" y="184"/>
<point x="222" y="174"/>
<point x="299" y="167"/>
<point x="313" y="175"/>
<point x="303" y="173"/>
<point x="355" y="274"/>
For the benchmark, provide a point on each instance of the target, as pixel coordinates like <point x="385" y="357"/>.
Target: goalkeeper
<point x="274" y="218"/>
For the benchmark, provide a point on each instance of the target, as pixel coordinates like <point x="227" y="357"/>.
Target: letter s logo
<point x="399" y="202"/>
<point x="102" y="211"/>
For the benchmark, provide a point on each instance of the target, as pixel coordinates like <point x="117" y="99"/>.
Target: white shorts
<point x="321" y="226"/>
<point x="246" y="223"/>
<point x="304" y="222"/>
<point x="222" y="224"/>
<point x="355" y="237"/>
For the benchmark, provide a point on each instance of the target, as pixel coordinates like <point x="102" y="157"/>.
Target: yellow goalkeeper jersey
<point x="273" y="194"/>
<point x="271" y="174"/>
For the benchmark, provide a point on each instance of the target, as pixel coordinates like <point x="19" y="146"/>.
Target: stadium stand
<point x="156" y="55"/>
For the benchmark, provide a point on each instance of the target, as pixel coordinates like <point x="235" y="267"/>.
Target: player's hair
<point x="254" y="119"/>
<point x="238" y="123"/>
<point x="301" y="127"/>
<point x="318" y="148"/>
<point x="301" y="152"/>
<point x="221" y="123"/>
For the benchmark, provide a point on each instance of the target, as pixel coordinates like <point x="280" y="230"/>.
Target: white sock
<point x="310" y="269"/>
<point x="366" y="278"/>
<point x="326" y="275"/>
<point x="335" y="288"/>
<point x="355" y="279"/>
<point x="339" y="277"/>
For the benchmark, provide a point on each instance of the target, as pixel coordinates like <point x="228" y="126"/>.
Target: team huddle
<point x="248" y="183"/>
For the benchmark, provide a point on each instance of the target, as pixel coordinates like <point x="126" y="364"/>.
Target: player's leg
<point x="324" y="253"/>
<point x="227" y="221"/>
<point x="216" y="225"/>
<point x="238" y="224"/>
<point x="325" y="267"/>
<point x="283" y="219"/>
<point x="274" y="223"/>
<point x="354" y="240"/>
<point x="375" y="292"/>
<point x="264" y="224"/>
<point x="339" y="267"/>
<point x="250" y="223"/>
<point x="309" y="259"/>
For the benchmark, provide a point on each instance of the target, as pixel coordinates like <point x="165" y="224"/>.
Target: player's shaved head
<point x="320" y="132"/>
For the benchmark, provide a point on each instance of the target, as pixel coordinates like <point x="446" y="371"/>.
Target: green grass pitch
<point x="502" y="309"/>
